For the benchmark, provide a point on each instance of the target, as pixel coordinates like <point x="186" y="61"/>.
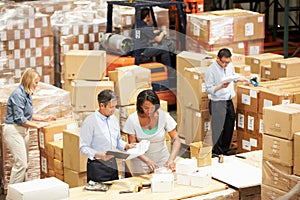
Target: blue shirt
<point x="213" y="77"/>
<point x="19" y="107"/>
<point x="99" y="134"/>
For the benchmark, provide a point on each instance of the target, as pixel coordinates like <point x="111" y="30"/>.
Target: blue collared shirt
<point x="213" y="77"/>
<point x="19" y="107"/>
<point x="99" y="134"/>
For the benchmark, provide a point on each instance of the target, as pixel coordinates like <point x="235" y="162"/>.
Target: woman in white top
<point x="151" y="123"/>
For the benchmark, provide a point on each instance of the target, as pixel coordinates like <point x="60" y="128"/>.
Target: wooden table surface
<point x="179" y="191"/>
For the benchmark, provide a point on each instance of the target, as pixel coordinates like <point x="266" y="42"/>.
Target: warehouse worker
<point x="99" y="133"/>
<point x="151" y="123"/>
<point x="144" y="35"/>
<point x="220" y="105"/>
<point x="18" y="120"/>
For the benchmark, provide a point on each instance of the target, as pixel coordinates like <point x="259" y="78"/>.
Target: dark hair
<point x="147" y="95"/>
<point x="106" y="96"/>
<point x="224" y="53"/>
<point x="144" y="12"/>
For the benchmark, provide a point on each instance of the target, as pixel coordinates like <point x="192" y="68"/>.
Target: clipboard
<point x="118" y="154"/>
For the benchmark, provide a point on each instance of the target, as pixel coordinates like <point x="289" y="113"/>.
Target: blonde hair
<point x="28" y="78"/>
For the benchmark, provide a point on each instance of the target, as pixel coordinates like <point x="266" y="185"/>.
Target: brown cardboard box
<point x="285" y="68"/>
<point x="58" y="166"/>
<point x="282" y="120"/>
<point x="277" y="175"/>
<point x="74" y="179"/>
<point x="278" y="150"/>
<point x="202" y="152"/>
<point x="249" y="142"/>
<point x="247" y="98"/>
<point x="256" y="61"/>
<point x="236" y="59"/>
<point x="252" y="122"/>
<point x="270" y="193"/>
<point x="297" y="153"/>
<point x="194" y="125"/>
<point x="83" y="89"/>
<point x="271" y="98"/>
<point x="85" y="64"/>
<point x="72" y="157"/>
<point x="58" y="150"/>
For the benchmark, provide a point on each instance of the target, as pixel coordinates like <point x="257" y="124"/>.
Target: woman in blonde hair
<point x="18" y="121"/>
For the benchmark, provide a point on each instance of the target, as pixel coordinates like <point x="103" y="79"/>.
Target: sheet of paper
<point x="228" y="79"/>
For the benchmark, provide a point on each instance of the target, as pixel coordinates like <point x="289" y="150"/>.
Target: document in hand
<point x="228" y="79"/>
<point x="140" y="149"/>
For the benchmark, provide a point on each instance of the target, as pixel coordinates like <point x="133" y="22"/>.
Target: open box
<point x="202" y="152"/>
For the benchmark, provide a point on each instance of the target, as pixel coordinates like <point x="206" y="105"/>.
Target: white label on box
<point x="241" y="119"/>
<point x="86" y="46"/>
<point x="285" y="101"/>
<point x="46" y="41"/>
<point x="49" y="9"/>
<point x="65" y="30"/>
<point x="11" y="45"/>
<point x="96" y="46"/>
<point x="66" y="48"/>
<point x="75" y="30"/>
<point x="260" y="19"/>
<point x="39" y="70"/>
<point x="196" y="30"/>
<point x="261" y="126"/>
<point x="32" y="62"/>
<point x="267" y="72"/>
<point x="246" y="145"/>
<point x="20" y="24"/>
<point x="206" y="126"/>
<point x="17" y="34"/>
<point x="247" y="69"/>
<point x="282" y="66"/>
<point x="85" y="29"/>
<point x="18" y="73"/>
<point x="91" y="37"/>
<point x="95" y="28"/>
<point x="37" y="32"/>
<point x="126" y="33"/>
<point x="196" y="76"/>
<point x="250" y="123"/>
<point x="9" y="25"/>
<point x="46" y="60"/>
<point x="42" y="140"/>
<point x="45" y="22"/>
<point x="11" y="64"/>
<point x="76" y="46"/>
<point x="241" y="45"/>
<point x="22" y="44"/>
<point x="22" y="62"/>
<point x="38" y="52"/>
<point x="27" y="53"/>
<point x="128" y="20"/>
<point x="32" y="43"/>
<point x="254" y="50"/>
<point x="1" y="46"/>
<point x="81" y="39"/>
<point x="253" y="94"/>
<point x="31" y="23"/>
<point x="47" y="79"/>
<point x="17" y="54"/>
<point x="3" y="54"/>
<point x="253" y="142"/>
<point x="255" y="61"/>
<point x="249" y="29"/>
<point x="267" y="103"/>
<point x="27" y="33"/>
<point x="203" y="87"/>
<point x="3" y="35"/>
<point x="58" y="136"/>
<point x="246" y="99"/>
<point x="44" y="164"/>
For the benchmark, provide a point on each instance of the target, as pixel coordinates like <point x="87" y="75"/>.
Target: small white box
<point x="183" y="179"/>
<point x="186" y="166"/>
<point x="162" y="182"/>
<point x="202" y="177"/>
<point x="46" y="189"/>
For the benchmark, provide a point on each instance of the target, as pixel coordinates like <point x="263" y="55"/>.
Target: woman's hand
<point x="49" y="118"/>
<point x="130" y="146"/>
<point x="151" y="165"/>
<point x="170" y="165"/>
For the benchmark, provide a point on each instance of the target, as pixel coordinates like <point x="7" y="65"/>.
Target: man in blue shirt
<point x="99" y="133"/>
<point x="144" y="35"/>
<point x="220" y="106"/>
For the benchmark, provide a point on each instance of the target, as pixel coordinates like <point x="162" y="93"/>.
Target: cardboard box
<point x="202" y="152"/>
<point x="282" y="120"/>
<point x="85" y="64"/>
<point x="162" y="182"/>
<point x="248" y="142"/>
<point x="278" y="150"/>
<point x="256" y="61"/>
<point x="247" y="98"/>
<point x="270" y="193"/>
<point x="297" y="153"/>
<point x="83" y="89"/>
<point x="285" y="68"/>
<point x="48" y="188"/>
<point x="72" y="157"/>
<point x="58" y="167"/>
<point x="73" y="178"/>
<point x="277" y="175"/>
